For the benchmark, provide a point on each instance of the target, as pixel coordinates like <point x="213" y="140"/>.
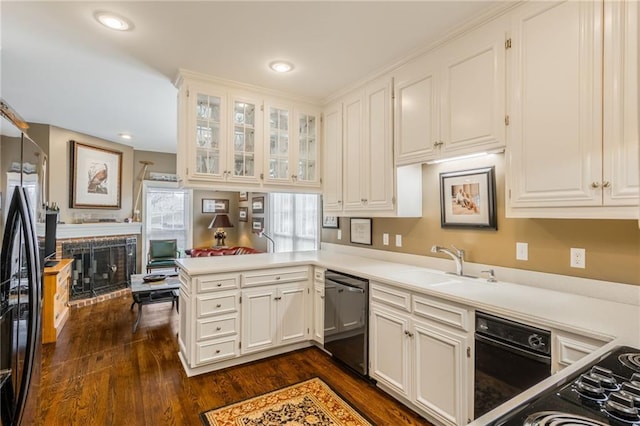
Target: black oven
<point x="510" y="357"/>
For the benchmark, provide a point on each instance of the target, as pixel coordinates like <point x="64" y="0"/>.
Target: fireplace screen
<point x="100" y="266"/>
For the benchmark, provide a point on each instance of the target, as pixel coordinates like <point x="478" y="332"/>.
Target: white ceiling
<point x="60" y="67"/>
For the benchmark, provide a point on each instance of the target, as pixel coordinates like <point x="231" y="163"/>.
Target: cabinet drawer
<point x="185" y="282"/>
<point x="318" y="275"/>
<point x="216" y="327"/>
<point x="216" y="304"/>
<point x="218" y="282"/>
<point x="390" y="296"/>
<point x="216" y="350"/>
<point x="274" y="276"/>
<point x="569" y="348"/>
<point x="444" y="313"/>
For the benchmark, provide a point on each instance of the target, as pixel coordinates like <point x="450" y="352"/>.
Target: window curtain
<point x="294" y="221"/>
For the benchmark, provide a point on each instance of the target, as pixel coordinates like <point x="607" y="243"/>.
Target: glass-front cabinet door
<point x="209" y="149"/>
<point x="307" y="152"/>
<point x="278" y="162"/>
<point x="245" y="154"/>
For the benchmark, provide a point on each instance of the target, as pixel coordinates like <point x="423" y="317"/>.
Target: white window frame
<point x="146" y="184"/>
<point x="270" y="219"/>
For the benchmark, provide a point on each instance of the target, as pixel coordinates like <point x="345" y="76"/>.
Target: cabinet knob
<point x="217" y="351"/>
<point x="339" y="201"/>
<point x="595" y="185"/>
<point x="219" y="284"/>
<point x="218" y="305"/>
<point x="606" y="184"/>
<point x="218" y="328"/>
<point x="277" y="298"/>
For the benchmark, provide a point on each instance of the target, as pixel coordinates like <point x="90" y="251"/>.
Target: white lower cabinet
<point x="441" y="372"/>
<point x="389" y="348"/>
<point x="423" y="355"/>
<point x="568" y="348"/>
<point x="318" y="313"/>
<point x="274" y="316"/>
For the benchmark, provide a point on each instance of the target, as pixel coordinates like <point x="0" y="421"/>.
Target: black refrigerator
<point x="22" y="174"/>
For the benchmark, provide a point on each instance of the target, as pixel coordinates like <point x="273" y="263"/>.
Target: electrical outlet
<point x="398" y="240"/>
<point x="578" y="258"/>
<point x="522" y="251"/>
<point x="385" y="239"/>
<point x="339" y="234"/>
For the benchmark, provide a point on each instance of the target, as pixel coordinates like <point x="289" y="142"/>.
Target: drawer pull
<point x="218" y="328"/>
<point x="219" y="284"/>
<point x="277" y="298"/>
<point x="218" y="305"/>
<point x="277" y="278"/>
<point x="217" y="351"/>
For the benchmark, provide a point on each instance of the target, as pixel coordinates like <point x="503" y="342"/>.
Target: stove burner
<point x="630" y="360"/>
<point x="558" y="418"/>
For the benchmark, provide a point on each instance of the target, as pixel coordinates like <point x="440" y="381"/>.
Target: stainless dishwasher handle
<point x="545" y="359"/>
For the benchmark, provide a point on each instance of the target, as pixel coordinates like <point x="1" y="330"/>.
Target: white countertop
<point x="588" y="316"/>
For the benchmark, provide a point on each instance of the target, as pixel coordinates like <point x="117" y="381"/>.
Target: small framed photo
<point x="243" y="214"/>
<point x="257" y="224"/>
<point x="244" y="196"/>
<point x="468" y="199"/>
<point x="210" y="205"/>
<point x="257" y="205"/>
<point x="330" y="222"/>
<point x="360" y="231"/>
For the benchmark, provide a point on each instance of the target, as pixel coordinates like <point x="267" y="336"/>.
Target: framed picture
<point x="243" y="214"/>
<point x="257" y="224"/>
<point x="257" y="205"/>
<point x="210" y="205"/>
<point x="360" y="231"/>
<point x="96" y="177"/>
<point x="468" y="199"/>
<point x="244" y="196"/>
<point x="330" y="222"/>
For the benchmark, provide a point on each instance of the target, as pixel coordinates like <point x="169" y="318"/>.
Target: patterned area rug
<point x="310" y="403"/>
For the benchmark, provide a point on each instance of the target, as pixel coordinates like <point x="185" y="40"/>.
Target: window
<point x="167" y="214"/>
<point x="294" y="221"/>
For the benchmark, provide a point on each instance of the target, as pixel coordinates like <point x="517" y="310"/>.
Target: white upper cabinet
<point x="236" y="138"/>
<point x="559" y="164"/>
<point x="368" y="149"/>
<point x="451" y="101"/>
<point x="293" y="145"/>
<point x="279" y="130"/>
<point x="621" y="127"/>
<point x="246" y="124"/>
<point x="332" y="158"/>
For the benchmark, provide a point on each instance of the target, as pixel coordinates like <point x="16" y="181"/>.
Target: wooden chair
<point x="162" y="254"/>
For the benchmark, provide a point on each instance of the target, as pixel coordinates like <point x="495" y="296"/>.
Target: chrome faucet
<point x="457" y="255"/>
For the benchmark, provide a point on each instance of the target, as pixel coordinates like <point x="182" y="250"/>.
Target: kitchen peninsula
<point x="218" y="328"/>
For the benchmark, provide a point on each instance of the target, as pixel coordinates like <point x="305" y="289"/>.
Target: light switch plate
<point x="339" y="234"/>
<point x="398" y="240"/>
<point x="522" y="251"/>
<point x="385" y="239"/>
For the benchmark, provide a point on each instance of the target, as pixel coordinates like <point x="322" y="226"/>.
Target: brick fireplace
<point x="101" y="265"/>
<point x="104" y="258"/>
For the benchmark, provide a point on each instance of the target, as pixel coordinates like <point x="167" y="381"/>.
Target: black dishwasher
<point x="510" y="357"/>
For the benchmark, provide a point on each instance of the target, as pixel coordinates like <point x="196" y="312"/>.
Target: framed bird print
<point x="96" y="177"/>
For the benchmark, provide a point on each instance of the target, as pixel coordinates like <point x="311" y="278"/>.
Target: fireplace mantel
<point x="101" y="229"/>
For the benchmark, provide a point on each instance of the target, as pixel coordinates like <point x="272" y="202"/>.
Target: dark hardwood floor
<point x="99" y="373"/>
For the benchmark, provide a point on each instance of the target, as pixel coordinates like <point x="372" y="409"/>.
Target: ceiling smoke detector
<point x="113" y="21"/>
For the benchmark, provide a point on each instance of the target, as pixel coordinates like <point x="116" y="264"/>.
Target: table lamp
<point x="220" y="221"/>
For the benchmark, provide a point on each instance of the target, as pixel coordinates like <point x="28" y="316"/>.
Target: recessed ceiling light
<point x="126" y="136"/>
<point x="281" y="66"/>
<point x="113" y="21"/>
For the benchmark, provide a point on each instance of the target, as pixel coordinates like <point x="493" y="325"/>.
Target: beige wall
<point x="60" y="172"/>
<point x="612" y="246"/>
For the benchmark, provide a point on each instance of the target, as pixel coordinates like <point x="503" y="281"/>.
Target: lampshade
<point x="220" y="221"/>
